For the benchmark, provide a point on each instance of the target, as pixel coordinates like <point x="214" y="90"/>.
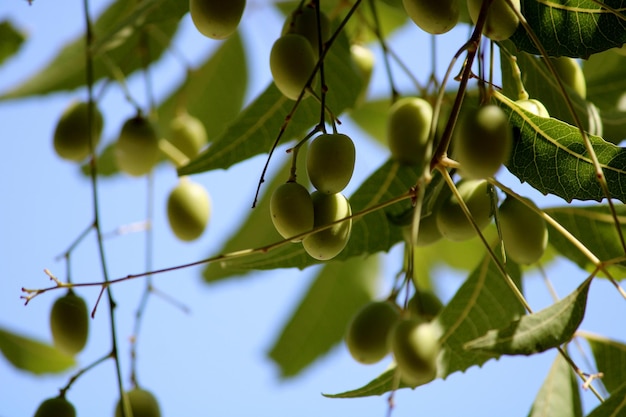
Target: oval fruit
<point x="137" y="147"/>
<point x="188" y="209"/>
<point x="524" y="232"/>
<point x="292" y="62"/>
<point x="330" y="162"/>
<point x="363" y="59"/>
<point x="142" y="404"/>
<point x="408" y="129"/>
<point x="451" y="219"/>
<point x="501" y="20"/>
<point x="571" y="74"/>
<point x="483" y="141"/>
<point x="425" y="305"/>
<point x="328" y="243"/>
<point x="534" y="106"/>
<point x="367" y="337"/>
<point x="304" y="22"/>
<point x="415" y="348"/>
<point x="71" y="135"/>
<point x="291" y="208"/>
<point x="69" y="323"/>
<point x="216" y="19"/>
<point x="187" y="134"/>
<point x="433" y="16"/>
<point x="56" y="407"/>
<point x="428" y="232"/>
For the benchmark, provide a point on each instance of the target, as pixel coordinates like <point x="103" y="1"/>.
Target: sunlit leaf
<point x="537" y="332"/>
<point x="575" y="28"/>
<point x="154" y="21"/>
<point x="614" y="406"/>
<point x="559" y="395"/>
<point x="594" y="227"/>
<point x="12" y="40"/>
<point x="378" y="386"/>
<point x="33" y="356"/>
<point x="320" y="320"/>
<point x="551" y="156"/>
<point x="258" y="125"/>
<point x="372" y="118"/>
<point x="610" y="358"/>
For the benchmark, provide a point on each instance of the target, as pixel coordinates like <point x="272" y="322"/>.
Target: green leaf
<point x="372" y="118"/>
<point x="559" y="395"/>
<point x="258" y="126"/>
<point x="33" y="356"/>
<point x="610" y="357"/>
<point x="605" y="75"/>
<point x="614" y="406"/>
<point x="320" y="320"/>
<point x="538" y="332"/>
<point x="575" y="28"/>
<point x="483" y="302"/>
<point x="594" y="227"/>
<point x="12" y="40"/>
<point x="551" y="156"/>
<point x="121" y="28"/>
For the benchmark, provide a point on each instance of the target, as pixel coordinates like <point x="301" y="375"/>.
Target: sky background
<point x="212" y="361"/>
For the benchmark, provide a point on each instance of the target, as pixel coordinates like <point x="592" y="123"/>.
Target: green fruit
<point x="330" y="162"/>
<point x="415" y="348"/>
<point x="291" y="208"/>
<point x="428" y="232"/>
<point x="187" y="134"/>
<point x="216" y="19"/>
<point x="56" y="407"/>
<point x="533" y="106"/>
<point x="571" y="74"/>
<point x="292" y="62"/>
<point x="304" y="22"/>
<point x="483" y="140"/>
<point x="425" y="304"/>
<point x="433" y="16"/>
<point x="368" y="331"/>
<point x="501" y="20"/>
<point x="451" y="219"/>
<point x="142" y="404"/>
<point x="71" y="135"/>
<point x="188" y="209"/>
<point x="328" y="243"/>
<point x="363" y="59"/>
<point x="137" y="147"/>
<point x="69" y="323"/>
<point x="408" y="129"/>
<point x="524" y="232"/>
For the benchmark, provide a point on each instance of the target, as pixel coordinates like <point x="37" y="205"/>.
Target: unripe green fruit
<point x="187" y="134"/>
<point x="451" y="219"/>
<point x="56" y="407"/>
<point x="71" y="135"/>
<point x="367" y="337"/>
<point x="304" y="22"/>
<point x="363" y="59"/>
<point x="483" y="141"/>
<point x="292" y="62"/>
<point x="408" y="128"/>
<point x="428" y="232"/>
<point x="328" y="243"/>
<point x="142" y="404"/>
<point x="69" y="323"/>
<point x="501" y="21"/>
<point x="330" y="162"/>
<point x="415" y="348"/>
<point x="216" y="19"/>
<point x="425" y="305"/>
<point x="291" y="208"/>
<point x="137" y="147"/>
<point x="524" y="232"/>
<point x="188" y="209"/>
<point x="433" y="16"/>
<point x="571" y="74"/>
<point x="533" y="106"/>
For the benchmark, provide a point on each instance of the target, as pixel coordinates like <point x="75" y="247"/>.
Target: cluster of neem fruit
<point x="137" y="151"/>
